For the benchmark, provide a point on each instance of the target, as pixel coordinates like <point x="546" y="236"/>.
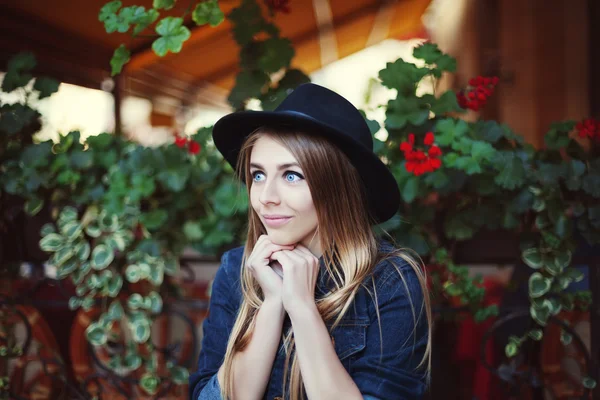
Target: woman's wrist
<point x="274" y="305"/>
<point x="303" y="311"/>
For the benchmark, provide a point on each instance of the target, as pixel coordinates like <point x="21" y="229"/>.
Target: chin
<point x="282" y="238"/>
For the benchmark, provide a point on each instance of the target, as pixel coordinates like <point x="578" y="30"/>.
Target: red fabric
<point x="483" y="383"/>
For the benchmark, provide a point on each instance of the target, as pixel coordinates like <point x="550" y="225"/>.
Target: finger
<point x="304" y="250"/>
<point x="284" y="259"/>
<point x="306" y="255"/>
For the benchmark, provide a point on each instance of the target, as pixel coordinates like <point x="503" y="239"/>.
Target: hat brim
<point x="230" y="132"/>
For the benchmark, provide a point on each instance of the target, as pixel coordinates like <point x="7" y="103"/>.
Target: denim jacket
<point x="382" y="363"/>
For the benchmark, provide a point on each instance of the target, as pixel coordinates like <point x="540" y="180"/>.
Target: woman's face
<point x="279" y="194"/>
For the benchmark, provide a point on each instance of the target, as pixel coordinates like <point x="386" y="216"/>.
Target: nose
<point x="270" y="192"/>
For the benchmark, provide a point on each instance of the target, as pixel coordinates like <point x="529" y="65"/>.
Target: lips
<point x="276" y="220"/>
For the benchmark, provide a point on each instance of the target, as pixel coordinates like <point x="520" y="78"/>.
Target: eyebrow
<point x="279" y="167"/>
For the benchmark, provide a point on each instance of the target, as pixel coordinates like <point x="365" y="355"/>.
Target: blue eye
<point x="255" y="175"/>
<point x="291" y="176"/>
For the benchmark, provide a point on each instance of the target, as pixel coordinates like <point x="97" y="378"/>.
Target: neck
<point x="313" y="243"/>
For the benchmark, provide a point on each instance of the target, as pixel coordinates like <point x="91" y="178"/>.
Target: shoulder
<point x="231" y="261"/>
<point x="228" y="274"/>
<point x="397" y="274"/>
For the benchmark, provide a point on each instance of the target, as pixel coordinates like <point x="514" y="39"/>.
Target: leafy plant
<point x="481" y="175"/>
<point x="171" y="32"/>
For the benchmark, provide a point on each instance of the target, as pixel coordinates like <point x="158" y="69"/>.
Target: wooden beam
<point x="59" y="54"/>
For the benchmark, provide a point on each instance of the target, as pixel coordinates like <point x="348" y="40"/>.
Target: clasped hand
<point x="300" y="269"/>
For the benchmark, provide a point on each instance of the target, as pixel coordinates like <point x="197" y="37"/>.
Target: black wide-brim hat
<point x="316" y="110"/>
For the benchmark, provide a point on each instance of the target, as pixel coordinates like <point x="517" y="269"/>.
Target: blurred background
<point x="543" y="53"/>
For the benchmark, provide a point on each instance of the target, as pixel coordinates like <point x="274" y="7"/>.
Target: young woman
<point x="314" y="305"/>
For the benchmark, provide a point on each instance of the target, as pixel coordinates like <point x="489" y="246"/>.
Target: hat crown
<point x="328" y="108"/>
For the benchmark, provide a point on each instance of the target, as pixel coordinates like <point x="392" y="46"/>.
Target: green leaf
<point x="82" y="251"/>
<point x="102" y="256"/>
<point x="536" y="334"/>
<point x="563" y="259"/>
<point x="512" y="172"/>
<point x="133" y="273"/>
<point x="208" y="12"/>
<point x="402" y="110"/>
<point x="93" y="231"/>
<point x="51" y="242"/>
<point x="558" y="135"/>
<point x="402" y="76"/>
<point x="432" y="55"/>
<point x="511" y="350"/>
<point x="16" y="69"/>
<point x="154" y="219"/>
<point x="143" y="19"/>
<point x="33" y="206"/>
<point x="591" y="184"/>
<point x="532" y="257"/>
<point x="226" y="200"/>
<point x="172" y="33"/>
<point x="108" y="10"/>
<point x="108" y="222"/>
<point x="166" y="4"/>
<point x="565" y="338"/>
<point x="482" y="151"/>
<point x="114" y="285"/>
<point x="115" y="311"/>
<point x="193" y="230"/>
<point x="68" y="213"/>
<point x="120" y="22"/>
<point x="452" y="289"/>
<point x="174" y="179"/>
<point x="574" y="274"/>
<point x="62" y="255"/>
<point x="589" y="383"/>
<point x="157" y="275"/>
<point x="132" y="361"/>
<point x="538" y="285"/>
<point x="248" y="84"/>
<point x="47" y="229"/>
<point x="540" y="314"/>
<point x="71" y="229"/>
<point x="46" y="87"/>
<point x="410" y="190"/>
<point x="448" y="130"/>
<point x="141" y="330"/>
<point x="445" y="103"/>
<point x="459" y="226"/>
<point x="148" y="381"/>
<point x="156" y="302"/>
<point x="120" y="57"/>
<point x="179" y="375"/>
<point x="135" y="301"/>
<point x="276" y="53"/>
<point x="74" y="303"/>
<point x="96" y="334"/>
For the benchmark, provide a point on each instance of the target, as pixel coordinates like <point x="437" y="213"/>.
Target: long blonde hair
<point x="349" y="256"/>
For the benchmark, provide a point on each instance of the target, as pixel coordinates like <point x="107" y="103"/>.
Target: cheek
<point x="254" y="197"/>
<point x="302" y="202"/>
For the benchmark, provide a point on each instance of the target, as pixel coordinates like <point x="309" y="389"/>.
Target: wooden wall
<point x="539" y="48"/>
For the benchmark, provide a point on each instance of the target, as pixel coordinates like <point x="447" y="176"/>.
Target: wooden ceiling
<point x="72" y="45"/>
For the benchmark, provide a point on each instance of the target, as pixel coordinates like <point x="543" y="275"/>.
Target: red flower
<point x="418" y="161"/>
<point x="279" y="5"/>
<point x="435" y="151"/>
<point x="588" y="128"/>
<point x="181" y="141"/>
<point x="193" y="147"/>
<point x="475" y="97"/>
<point x="405" y="146"/>
<point x="429" y="138"/>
